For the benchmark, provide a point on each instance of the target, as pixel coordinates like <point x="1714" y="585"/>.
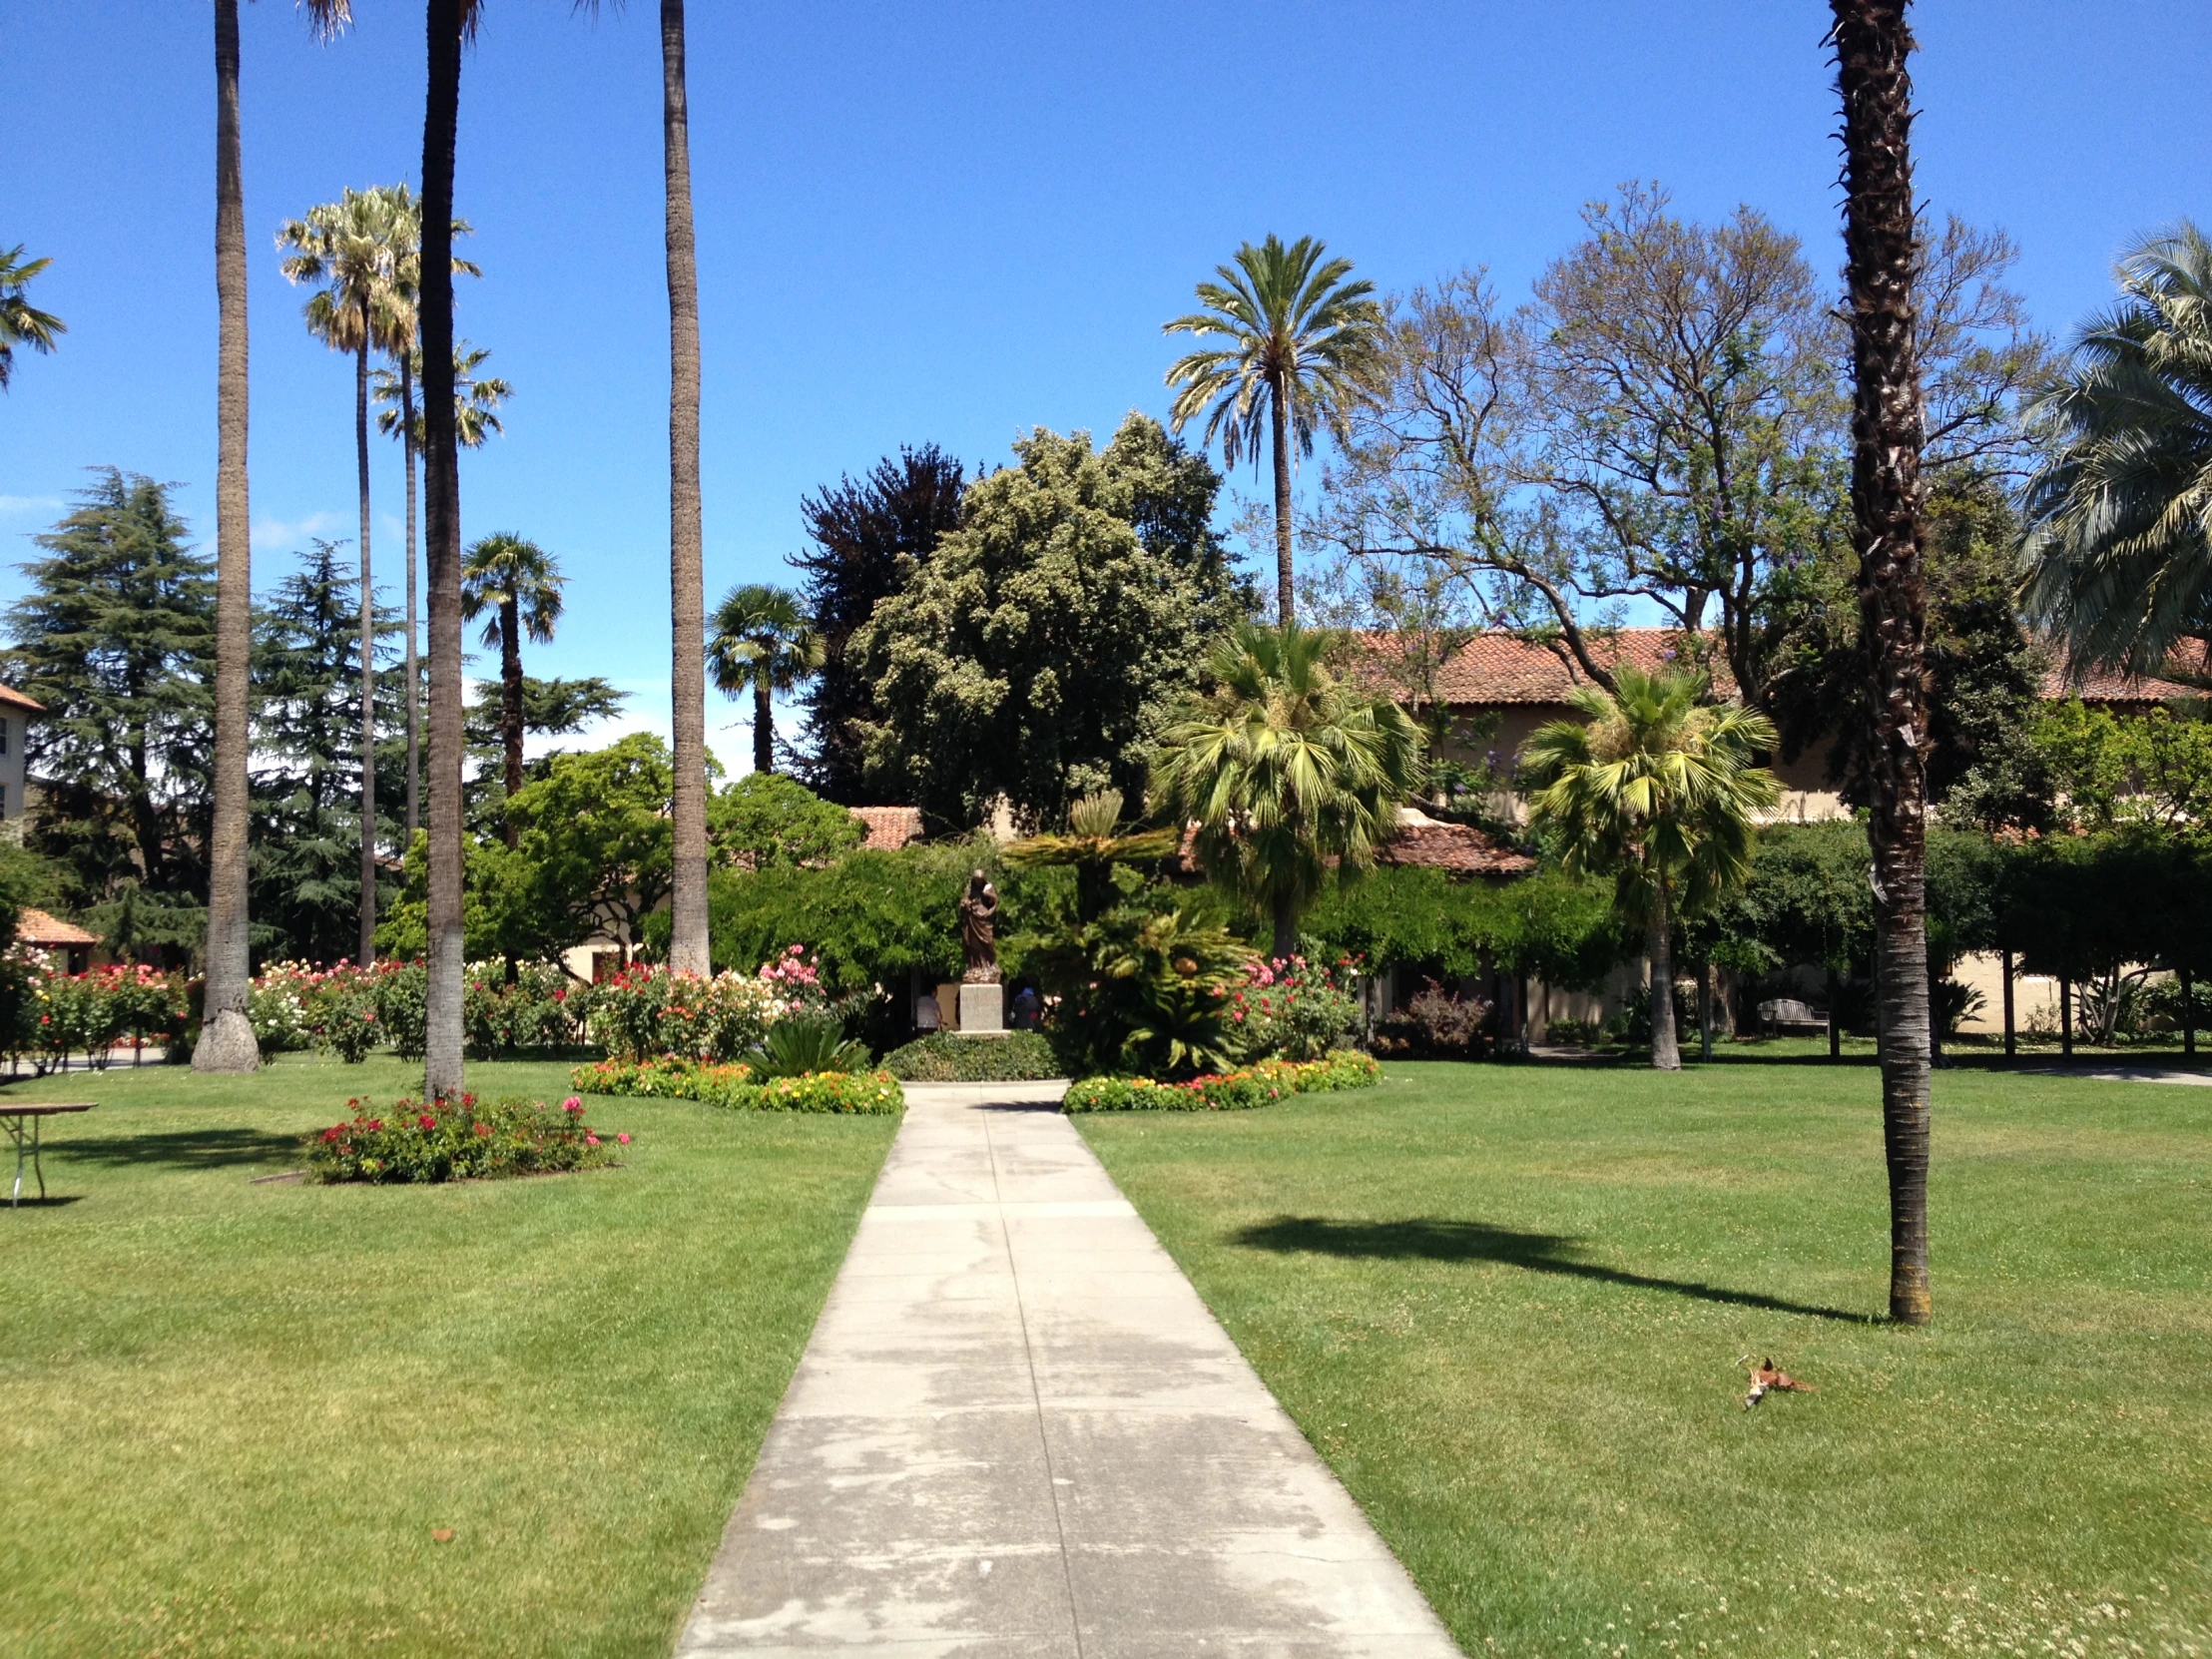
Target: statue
<point x="978" y="947"/>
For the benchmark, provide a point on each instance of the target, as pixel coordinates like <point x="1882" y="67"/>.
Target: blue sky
<point x="945" y="221"/>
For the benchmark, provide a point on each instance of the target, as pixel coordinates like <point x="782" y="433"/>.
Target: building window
<point x="3" y="734"/>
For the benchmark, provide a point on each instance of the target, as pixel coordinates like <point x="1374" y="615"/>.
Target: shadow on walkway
<point x="186" y="1149"/>
<point x="1473" y="1240"/>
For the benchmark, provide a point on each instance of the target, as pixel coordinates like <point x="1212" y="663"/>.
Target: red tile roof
<point x="2102" y="687"/>
<point x="16" y="700"/>
<point x="50" y="932"/>
<point x="1458" y="847"/>
<point x="888" y="827"/>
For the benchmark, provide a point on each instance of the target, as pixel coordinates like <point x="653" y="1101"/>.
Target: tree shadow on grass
<point x="1473" y="1240"/>
<point x="184" y="1149"/>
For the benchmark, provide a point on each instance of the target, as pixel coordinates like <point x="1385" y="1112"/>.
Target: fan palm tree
<point x="21" y="323"/>
<point x="2120" y="514"/>
<point x="227" y="1036"/>
<point x="352" y="246"/>
<point x="762" y="641"/>
<point x="448" y="25"/>
<point x="1284" y="768"/>
<point x="394" y="389"/>
<point x="1881" y="244"/>
<point x="1092" y="845"/>
<point x="520" y="583"/>
<point x="1301" y="337"/>
<point x="1656" y="788"/>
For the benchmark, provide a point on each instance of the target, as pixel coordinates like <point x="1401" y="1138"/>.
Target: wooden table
<point x="21" y="1121"/>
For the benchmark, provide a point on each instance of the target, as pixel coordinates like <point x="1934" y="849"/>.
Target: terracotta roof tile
<point x="39" y="928"/>
<point x="1502" y="668"/>
<point x="16" y="700"/>
<point x="1458" y="847"/>
<point x="888" y="827"/>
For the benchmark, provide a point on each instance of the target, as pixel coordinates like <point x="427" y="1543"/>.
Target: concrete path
<point x="1016" y="1432"/>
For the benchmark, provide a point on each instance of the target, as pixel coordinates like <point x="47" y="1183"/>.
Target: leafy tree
<point x="764" y="642"/>
<point x="2120" y="542"/>
<point x="117" y="641"/>
<point x="2111" y="771"/>
<point x="764" y="820"/>
<point x="867" y="537"/>
<point x="1553" y="925"/>
<point x="1882" y="257"/>
<point x="520" y="583"/>
<point x="1285" y="768"/>
<point x="21" y="323"/>
<point x="594" y="851"/>
<point x="1656" y="789"/>
<point x="1036" y="655"/>
<point x="1300" y="341"/>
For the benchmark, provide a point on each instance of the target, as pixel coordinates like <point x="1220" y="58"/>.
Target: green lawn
<point x="1507" y="1302"/>
<point x="234" y="1413"/>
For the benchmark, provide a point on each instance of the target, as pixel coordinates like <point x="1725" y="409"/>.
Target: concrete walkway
<point x="1016" y="1432"/>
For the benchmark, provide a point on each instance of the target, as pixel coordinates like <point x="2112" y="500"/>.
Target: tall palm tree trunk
<point x="369" y="656"/>
<point x="1873" y="43"/>
<point x="1285" y="594"/>
<point x="764" y="721"/>
<point x="687" y="947"/>
<point x="510" y="709"/>
<point x="1285" y="918"/>
<point x="1666" y="1045"/>
<point x="225" y="1037"/>
<point x="442" y="1068"/>
<point x="414" y="663"/>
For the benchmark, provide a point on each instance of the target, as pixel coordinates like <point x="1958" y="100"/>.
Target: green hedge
<point x="946" y="1057"/>
<point x="1232" y="1091"/>
<point x="732" y="1086"/>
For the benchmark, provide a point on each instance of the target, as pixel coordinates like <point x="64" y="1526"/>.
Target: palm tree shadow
<point x="184" y="1149"/>
<point x="1431" y="1240"/>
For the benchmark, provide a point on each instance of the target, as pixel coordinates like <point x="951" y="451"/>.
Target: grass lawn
<point x="234" y="1413"/>
<point x="1506" y="1304"/>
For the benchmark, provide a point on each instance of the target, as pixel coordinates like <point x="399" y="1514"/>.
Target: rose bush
<point x="644" y="1012"/>
<point x="1293" y="1009"/>
<point x="460" y="1140"/>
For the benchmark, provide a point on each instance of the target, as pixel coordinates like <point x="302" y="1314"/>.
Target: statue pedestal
<point x="982" y="1010"/>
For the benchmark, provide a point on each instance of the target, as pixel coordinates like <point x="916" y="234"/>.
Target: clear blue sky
<point x="945" y="221"/>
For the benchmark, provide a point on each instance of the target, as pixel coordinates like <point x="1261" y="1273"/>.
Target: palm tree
<point x="1300" y="338"/>
<point x="764" y="641"/>
<point x="1873" y="47"/>
<point x="225" y="1035"/>
<point x="352" y="246"/>
<point x="687" y="949"/>
<point x="21" y="323"/>
<point x="520" y="583"/>
<point x="1657" y="790"/>
<point x="448" y="24"/>
<point x="1092" y="845"/>
<point x="2120" y="514"/>
<point x="1284" y="768"/>
<point x="393" y="389"/>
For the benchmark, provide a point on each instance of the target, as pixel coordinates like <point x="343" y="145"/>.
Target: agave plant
<point x="804" y="1044"/>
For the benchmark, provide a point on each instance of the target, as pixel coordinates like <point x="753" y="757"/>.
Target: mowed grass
<point x="231" y="1414"/>
<point x="1508" y="1304"/>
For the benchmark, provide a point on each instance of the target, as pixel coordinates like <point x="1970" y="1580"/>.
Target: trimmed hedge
<point x="946" y="1057"/>
<point x="1234" y="1091"/>
<point x="732" y="1086"/>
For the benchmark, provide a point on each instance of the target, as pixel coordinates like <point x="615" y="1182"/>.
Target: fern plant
<point x="801" y="1044"/>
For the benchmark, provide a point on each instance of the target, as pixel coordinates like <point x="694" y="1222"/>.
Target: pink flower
<point x="572" y="1104"/>
<point x="624" y="1139"/>
<point x="591" y="1140"/>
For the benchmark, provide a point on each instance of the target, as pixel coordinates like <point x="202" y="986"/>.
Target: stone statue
<point x="978" y="947"/>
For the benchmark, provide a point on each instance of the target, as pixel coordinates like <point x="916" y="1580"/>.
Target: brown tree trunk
<point x="442" y="526"/>
<point x="1285" y="598"/>
<point x="414" y="661"/>
<point x="687" y="947"/>
<point x="1666" y="1047"/>
<point x="1705" y="1011"/>
<point x="369" y="656"/>
<point x="1286" y="928"/>
<point x="764" y="723"/>
<point x="2011" y="1042"/>
<point x="510" y="709"/>
<point x="1873" y="43"/>
<point x="2188" y="1014"/>
<point x="2065" y="1017"/>
<point x="226" y="1036"/>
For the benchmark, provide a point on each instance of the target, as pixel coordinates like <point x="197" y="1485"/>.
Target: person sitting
<point x="927" y="1016"/>
<point x="1027" y="1009"/>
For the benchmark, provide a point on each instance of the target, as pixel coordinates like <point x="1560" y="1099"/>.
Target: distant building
<point x="888" y="827"/>
<point x="67" y="947"/>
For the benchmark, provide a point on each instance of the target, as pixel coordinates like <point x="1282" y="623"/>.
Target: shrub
<point x="736" y="1086"/>
<point x="644" y="1011"/>
<point x="1145" y="989"/>
<point x="63" y="1013"/>
<point x="1438" y="1025"/>
<point x="402" y="1006"/>
<point x="1234" y="1091"/>
<point x="801" y="1044"/>
<point x="459" y="1141"/>
<point x="1294" y="1009"/>
<point x="1574" y="1033"/>
<point x="947" y="1057"/>
<point x="533" y="1012"/>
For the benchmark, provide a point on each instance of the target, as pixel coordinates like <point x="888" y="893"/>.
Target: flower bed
<point x="946" y="1057"/>
<point x="1232" y="1091"/>
<point x="459" y="1141"/>
<point x="645" y="1010"/>
<point x="734" y="1086"/>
